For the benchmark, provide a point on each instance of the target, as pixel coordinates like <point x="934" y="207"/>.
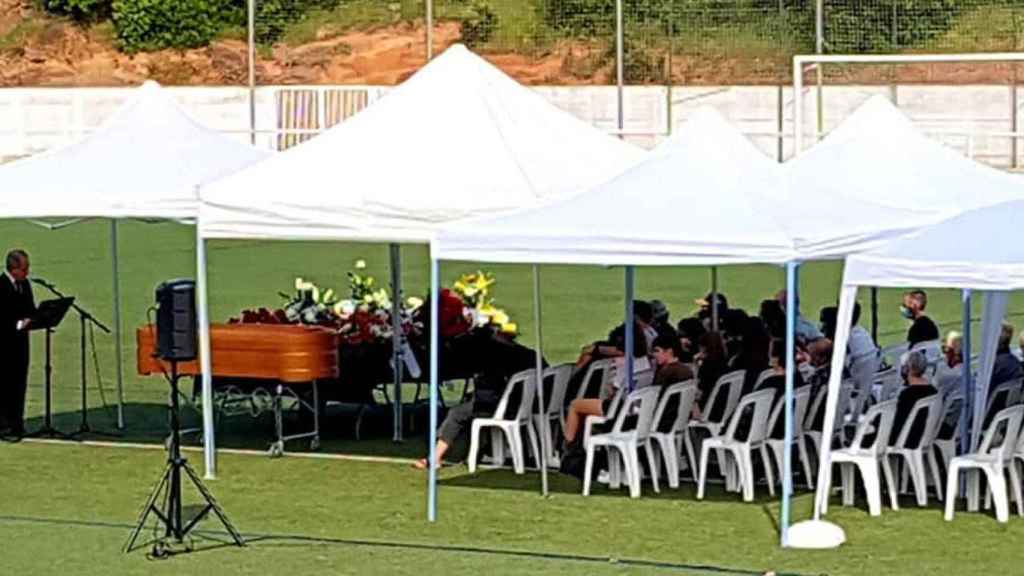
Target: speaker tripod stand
<point x="165" y="503"/>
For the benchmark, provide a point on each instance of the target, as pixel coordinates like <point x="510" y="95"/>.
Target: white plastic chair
<point x="888" y="384"/>
<point x="1015" y="475"/>
<point x="509" y="427"/>
<point x="801" y="400"/>
<point x="730" y="385"/>
<point x="946" y="442"/>
<point x="862" y="375"/>
<point x="604" y="369"/>
<point x="916" y="465"/>
<point x="556" y="383"/>
<point x="1003" y="396"/>
<point x="626" y="443"/>
<point x="991" y="459"/>
<point x="865" y="458"/>
<point x="641" y="379"/>
<point x="814" y="436"/>
<point x="740" y="450"/>
<point x="764" y="375"/>
<point x="670" y="443"/>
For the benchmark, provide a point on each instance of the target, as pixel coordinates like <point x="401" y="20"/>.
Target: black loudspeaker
<point x="176" y="320"/>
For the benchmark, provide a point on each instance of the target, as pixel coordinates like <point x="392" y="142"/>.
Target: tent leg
<point x="627" y="382"/>
<point x="117" y="323"/>
<point x="432" y="463"/>
<point x="714" y="299"/>
<point x="966" y="407"/>
<point x="203" y="312"/>
<point x="545" y="435"/>
<point x="787" y="452"/>
<point x="397" y="338"/>
<point x="874" y="314"/>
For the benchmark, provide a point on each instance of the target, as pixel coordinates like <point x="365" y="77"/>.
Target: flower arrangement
<point x="475" y="291"/>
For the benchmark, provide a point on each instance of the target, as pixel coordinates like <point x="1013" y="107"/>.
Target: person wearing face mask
<point x="922" y="329"/>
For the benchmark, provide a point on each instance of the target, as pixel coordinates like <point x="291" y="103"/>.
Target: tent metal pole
<point x="966" y="386"/>
<point x="627" y="382"/>
<point x="874" y="314"/>
<point x="620" y="71"/>
<point x="397" y="337"/>
<point x="432" y="463"/>
<point x="792" y="286"/>
<point x="250" y="10"/>
<point x="116" y="266"/>
<point x="542" y="459"/>
<point x="714" y="299"/>
<point x="205" y="360"/>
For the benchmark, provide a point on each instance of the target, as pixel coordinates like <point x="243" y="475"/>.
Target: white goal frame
<point x="801" y="61"/>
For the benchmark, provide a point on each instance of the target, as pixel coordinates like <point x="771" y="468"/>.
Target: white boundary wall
<point x="976" y="119"/>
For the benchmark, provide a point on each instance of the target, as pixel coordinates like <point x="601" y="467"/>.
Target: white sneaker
<point x="604" y="477"/>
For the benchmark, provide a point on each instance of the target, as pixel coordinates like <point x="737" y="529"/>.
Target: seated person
<point x="754" y="355"/>
<point x="861" y="343"/>
<point x="917" y="388"/>
<point x="612" y="347"/>
<point x="669" y="371"/>
<point x="949" y="373"/>
<point x="774" y="318"/>
<point x="705" y="313"/>
<point x="734" y="324"/>
<point x="777" y="382"/>
<point x="506" y="358"/>
<point x="690" y="331"/>
<point x="828" y="318"/>
<point x="712" y="364"/>
<point x="1007" y="367"/>
<point x="922" y="329"/>
<point x="660" y="320"/>
<point x="806" y="331"/>
<point x="580" y="408"/>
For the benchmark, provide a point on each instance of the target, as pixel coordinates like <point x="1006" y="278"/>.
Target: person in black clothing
<point x="829" y="317"/>
<point x="754" y="355"/>
<point x="712" y="365"/>
<point x="774" y="318"/>
<point x="506" y="358"/>
<point x="917" y="387"/>
<point x="923" y="329"/>
<point x="16" y="307"/>
<point x="690" y="330"/>
<point x="1007" y="367"/>
<point x="660" y="320"/>
<point x="777" y="382"/>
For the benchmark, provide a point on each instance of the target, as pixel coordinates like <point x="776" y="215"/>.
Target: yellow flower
<point x="360" y="264"/>
<point x="328" y="295"/>
<point x="316" y="294"/>
<point x="500" y="317"/>
<point x="414" y="302"/>
<point x="509" y="328"/>
<point x="299" y="283"/>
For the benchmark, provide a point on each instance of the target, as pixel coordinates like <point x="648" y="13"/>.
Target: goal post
<point x="805" y="62"/>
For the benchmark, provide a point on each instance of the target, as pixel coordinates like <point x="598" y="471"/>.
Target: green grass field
<point x="67" y="509"/>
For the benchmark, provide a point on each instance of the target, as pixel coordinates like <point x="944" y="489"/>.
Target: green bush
<point x="869" y="27"/>
<point x="81" y="10"/>
<point x="274" y="16"/>
<point x="144" y="25"/>
<point x="478" y="26"/>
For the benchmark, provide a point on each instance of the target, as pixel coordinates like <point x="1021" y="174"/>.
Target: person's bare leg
<point x="578" y="411"/>
<point x="442" y="448"/>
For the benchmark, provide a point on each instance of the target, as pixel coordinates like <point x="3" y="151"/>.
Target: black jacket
<point x="15" y="304"/>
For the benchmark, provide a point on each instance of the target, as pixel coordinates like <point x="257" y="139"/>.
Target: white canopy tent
<point x="146" y="161"/>
<point x="969" y="252"/>
<point x="876" y="177"/>
<point x="702" y="199"/>
<point x="459" y="138"/>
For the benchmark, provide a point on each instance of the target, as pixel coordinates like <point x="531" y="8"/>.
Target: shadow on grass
<point x="217" y="540"/>
<point x="147" y="423"/>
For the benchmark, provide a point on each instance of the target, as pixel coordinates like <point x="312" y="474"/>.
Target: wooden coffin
<point x="289" y="353"/>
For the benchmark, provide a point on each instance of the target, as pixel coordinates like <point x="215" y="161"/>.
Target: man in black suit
<point x="16" y="307"/>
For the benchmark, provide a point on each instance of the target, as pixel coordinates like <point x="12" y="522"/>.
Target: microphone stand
<point x="84" y="318"/>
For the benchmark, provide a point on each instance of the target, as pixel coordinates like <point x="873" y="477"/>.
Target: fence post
<point x="619" y="64"/>
<point x="430" y="29"/>
<point x="251" y="26"/>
